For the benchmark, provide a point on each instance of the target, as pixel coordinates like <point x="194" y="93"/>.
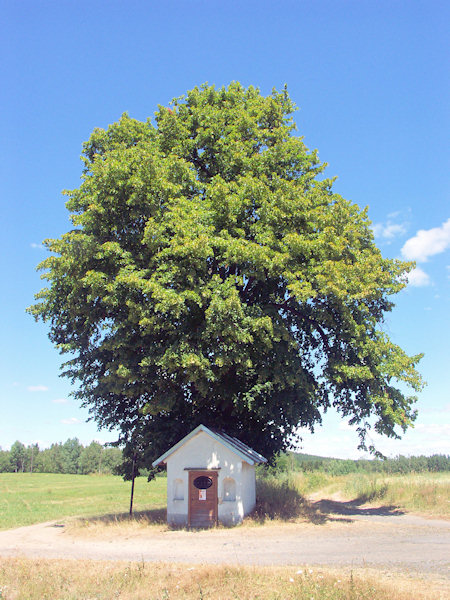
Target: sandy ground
<point x="351" y="536"/>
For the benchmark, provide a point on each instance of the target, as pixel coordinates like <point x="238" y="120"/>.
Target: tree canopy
<point x="213" y="276"/>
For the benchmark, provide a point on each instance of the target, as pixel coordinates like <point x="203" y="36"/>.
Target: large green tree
<point x="213" y="276"/>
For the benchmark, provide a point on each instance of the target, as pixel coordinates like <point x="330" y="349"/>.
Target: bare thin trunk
<point x="132" y="484"/>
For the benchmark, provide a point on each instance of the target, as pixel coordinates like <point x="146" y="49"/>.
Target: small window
<point x="178" y="493"/>
<point x="229" y="490"/>
<point x="203" y="482"/>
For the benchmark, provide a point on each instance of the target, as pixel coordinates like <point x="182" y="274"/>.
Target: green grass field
<point x="27" y="498"/>
<point x="32" y="498"/>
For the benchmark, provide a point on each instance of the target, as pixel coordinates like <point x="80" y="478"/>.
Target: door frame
<point x="214" y="475"/>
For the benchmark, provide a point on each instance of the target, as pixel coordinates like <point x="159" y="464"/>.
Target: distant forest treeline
<point x="70" y="457"/>
<point x="73" y="457"/>
<point x="335" y="466"/>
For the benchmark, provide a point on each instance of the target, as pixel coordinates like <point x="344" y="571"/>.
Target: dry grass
<point x="284" y="497"/>
<point x="426" y="493"/>
<point x="26" y="579"/>
<point x="116" y="524"/>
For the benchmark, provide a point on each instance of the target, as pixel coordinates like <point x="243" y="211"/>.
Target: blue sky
<point x="371" y="81"/>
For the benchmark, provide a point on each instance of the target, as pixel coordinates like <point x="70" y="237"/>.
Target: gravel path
<point x="351" y="536"/>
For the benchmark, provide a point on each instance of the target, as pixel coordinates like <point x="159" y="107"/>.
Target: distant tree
<point x="70" y="455"/>
<point x="33" y="461"/>
<point x="95" y="458"/>
<point x="18" y="457"/>
<point x="67" y="457"/>
<point x="213" y="276"/>
<point x="438" y="462"/>
<point x="340" y="467"/>
<point x="52" y="460"/>
<point x="112" y="458"/>
<point x="91" y="459"/>
<point x="5" y="463"/>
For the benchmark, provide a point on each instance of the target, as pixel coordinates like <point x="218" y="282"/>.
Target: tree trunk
<point x="132" y="484"/>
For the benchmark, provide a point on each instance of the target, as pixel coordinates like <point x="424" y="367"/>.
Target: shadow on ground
<point x="354" y="508"/>
<point x="283" y="502"/>
<point x="156" y="516"/>
<point x="276" y="501"/>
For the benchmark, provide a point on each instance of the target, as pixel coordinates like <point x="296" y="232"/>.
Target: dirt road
<point x="351" y="536"/>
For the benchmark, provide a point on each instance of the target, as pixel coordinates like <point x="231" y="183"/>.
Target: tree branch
<point x="323" y="335"/>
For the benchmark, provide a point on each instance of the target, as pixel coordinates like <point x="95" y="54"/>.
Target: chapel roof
<point x="242" y="450"/>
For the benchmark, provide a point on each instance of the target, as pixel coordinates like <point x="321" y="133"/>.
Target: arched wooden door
<point x="202" y="498"/>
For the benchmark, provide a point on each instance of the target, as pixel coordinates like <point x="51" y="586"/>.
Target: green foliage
<point x="17" y="457"/>
<point x="5" y="463"/>
<point x="213" y="276"/>
<point x="292" y="462"/>
<point x="91" y="459"/>
<point x="52" y="459"/>
<point x="70" y="457"/>
<point x="71" y="452"/>
<point x="99" y="459"/>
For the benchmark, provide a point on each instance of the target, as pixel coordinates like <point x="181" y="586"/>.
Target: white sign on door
<point x="202" y="494"/>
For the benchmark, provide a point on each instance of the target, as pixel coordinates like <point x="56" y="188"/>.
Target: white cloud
<point x="389" y="230"/>
<point x="37" y="388"/>
<point x="427" y="242"/>
<point x="418" y="278"/>
<point x="434" y="429"/>
<point x="38" y="246"/>
<point x="71" y="421"/>
<point x="60" y="401"/>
